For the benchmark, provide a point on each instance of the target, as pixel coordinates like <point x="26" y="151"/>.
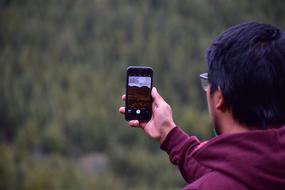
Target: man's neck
<point x="234" y="128"/>
<point x="229" y="126"/>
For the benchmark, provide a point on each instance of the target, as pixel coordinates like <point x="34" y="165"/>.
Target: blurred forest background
<point x="62" y="73"/>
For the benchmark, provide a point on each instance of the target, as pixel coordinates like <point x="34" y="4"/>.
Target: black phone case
<point x="131" y="116"/>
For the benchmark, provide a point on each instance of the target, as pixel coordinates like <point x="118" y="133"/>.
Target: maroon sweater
<point x="252" y="160"/>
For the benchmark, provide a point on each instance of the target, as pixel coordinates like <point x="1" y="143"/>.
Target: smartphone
<point x="138" y="93"/>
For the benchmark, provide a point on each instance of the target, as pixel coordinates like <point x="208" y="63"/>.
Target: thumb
<point x="156" y="96"/>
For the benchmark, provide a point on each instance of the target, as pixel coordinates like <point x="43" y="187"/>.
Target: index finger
<point x="123" y="97"/>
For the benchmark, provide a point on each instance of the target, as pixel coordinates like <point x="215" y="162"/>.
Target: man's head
<point x="247" y="65"/>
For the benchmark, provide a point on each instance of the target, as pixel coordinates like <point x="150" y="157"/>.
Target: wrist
<point x="166" y="129"/>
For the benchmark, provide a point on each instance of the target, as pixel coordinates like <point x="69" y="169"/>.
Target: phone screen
<point x="138" y="100"/>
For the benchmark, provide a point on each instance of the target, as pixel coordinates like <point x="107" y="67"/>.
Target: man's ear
<point x="219" y="100"/>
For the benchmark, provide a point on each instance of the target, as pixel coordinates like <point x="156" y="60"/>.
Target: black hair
<point x="247" y="62"/>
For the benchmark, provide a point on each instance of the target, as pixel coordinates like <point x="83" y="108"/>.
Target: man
<point x="245" y="88"/>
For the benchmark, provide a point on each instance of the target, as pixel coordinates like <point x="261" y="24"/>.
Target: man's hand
<point x="161" y="122"/>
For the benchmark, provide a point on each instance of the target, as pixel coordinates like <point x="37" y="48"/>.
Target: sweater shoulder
<point x="216" y="181"/>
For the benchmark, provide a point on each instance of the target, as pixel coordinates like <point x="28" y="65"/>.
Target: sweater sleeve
<point x="180" y="147"/>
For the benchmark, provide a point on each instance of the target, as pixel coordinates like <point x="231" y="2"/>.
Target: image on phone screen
<point x="139" y="88"/>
